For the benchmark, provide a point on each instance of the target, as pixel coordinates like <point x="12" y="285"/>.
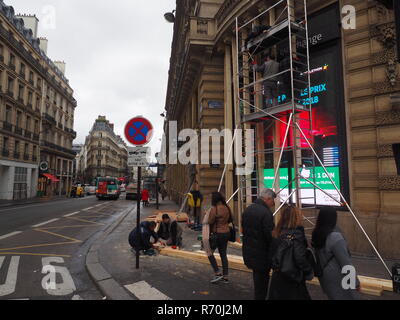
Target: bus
<point x="107" y="188"/>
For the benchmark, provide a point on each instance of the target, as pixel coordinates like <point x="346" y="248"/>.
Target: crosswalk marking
<point x="143" y="291"/>
<point x="71" y="214"/>
<point x="44" y="223"/>
<point x="10" y="235"/>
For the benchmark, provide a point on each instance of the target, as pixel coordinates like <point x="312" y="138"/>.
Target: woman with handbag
<point x="290" y="264"/>
<point x="219" y="217"/>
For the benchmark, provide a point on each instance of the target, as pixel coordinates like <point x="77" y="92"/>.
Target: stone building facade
<point x="104" y="153"/>
<point x="203" y="87"/>
<point x="36" y="112"/>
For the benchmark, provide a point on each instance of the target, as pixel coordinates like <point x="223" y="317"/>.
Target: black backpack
<point x="315" y="261"/>
<point x="283" y="260"/>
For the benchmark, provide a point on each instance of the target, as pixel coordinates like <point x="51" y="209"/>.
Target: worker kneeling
<point x="141" y="240"/>
<point x="170" y="231"/>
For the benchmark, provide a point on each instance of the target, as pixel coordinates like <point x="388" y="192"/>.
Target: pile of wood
<point x="157" y="217"/>
<point x="369" y="286"/>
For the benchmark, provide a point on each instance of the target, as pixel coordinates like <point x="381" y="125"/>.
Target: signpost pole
<point x="138" y="213"/>
<point x="157" y="187"/>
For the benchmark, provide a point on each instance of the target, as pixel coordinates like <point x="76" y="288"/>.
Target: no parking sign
<point x="139" y="131"/>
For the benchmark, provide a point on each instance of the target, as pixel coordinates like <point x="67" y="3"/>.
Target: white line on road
<point x="143" y="291"/>
<point x="71" y="214"/>
<point x="10" y="235"/>
<point x="77" y="297"/>
<point x="43" y="223"/>
<point x="87" y="209"/>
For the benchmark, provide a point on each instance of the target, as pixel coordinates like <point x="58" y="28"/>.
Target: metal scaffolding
<point x="282" y="29"/>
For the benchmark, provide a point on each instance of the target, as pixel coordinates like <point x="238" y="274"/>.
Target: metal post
<point x="138" y="214"/>
<point x="157" y="186"/>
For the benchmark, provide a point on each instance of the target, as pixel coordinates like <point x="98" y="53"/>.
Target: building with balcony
<point x="104" y="153"/>
<point x="36" y="112"/>
<point x="356" y="111"/>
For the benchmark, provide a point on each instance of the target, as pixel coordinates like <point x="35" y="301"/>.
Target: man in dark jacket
<point x="141" y="240"/>
<point x="258" y="224"/>
<point x="170" y="231"/>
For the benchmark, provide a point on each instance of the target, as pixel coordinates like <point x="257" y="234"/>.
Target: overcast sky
<point x="117" y="54"/>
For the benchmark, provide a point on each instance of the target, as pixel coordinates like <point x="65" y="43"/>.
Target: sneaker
<point x="225" y="280"/>
<point x="217" y="279"/>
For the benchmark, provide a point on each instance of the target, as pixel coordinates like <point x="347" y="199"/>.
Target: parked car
<point x="90" y="190"/>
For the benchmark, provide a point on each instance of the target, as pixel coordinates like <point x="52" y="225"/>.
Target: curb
<point x="107" y="285"/>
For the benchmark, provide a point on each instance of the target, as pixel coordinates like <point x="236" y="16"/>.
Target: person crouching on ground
<point x="170" y="231"/>
<point x="141" y="240"/>
<point x="290" y="264"/>
<point x="219" y="219"/>
<point x="332" y="256"/>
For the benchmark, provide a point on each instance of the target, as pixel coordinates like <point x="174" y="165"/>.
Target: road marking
<point x="58" y="235"/>
<point x="71" y="214"/>
<point x="35" y="254"/>
<point x="98" y="205"/>
<point x="143" y="291"/>
<point x="44" y="223"/>
<point x="10" y="235"/>
<point x="77" y="297"/>
<point x="11" y="281"/>
<point x="87" y="209"/>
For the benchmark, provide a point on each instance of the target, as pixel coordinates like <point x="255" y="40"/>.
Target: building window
<point x="31" y="77"/>
<point x="36" y="126"/>
<point x="16" y="150"/>
<point x="21" y="92"/>
<point x="12" y="60"/>
<point x="28" y="123"/>
<point x="34" y="153"/>
<point x="19" y="119"/>
<point x="22" y="71"/>
<point x="11" y="85"/>
<point x="5" y="147"/>
<point x="30" y="97"/>
<point x="8" y="114"/>
<point x="26" y="151"/>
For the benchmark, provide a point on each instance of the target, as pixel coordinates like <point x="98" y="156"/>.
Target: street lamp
<point x="170" y="16"/>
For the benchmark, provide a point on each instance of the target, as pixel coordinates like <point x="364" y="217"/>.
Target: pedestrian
<point x="170" y="232"/>
<point x="140" y="240"/>
<point x="289" y="262"/>
<point x="219" y="218"/>
<point x="332" y="255"/>
<point x="145" y="197"/>
<point x="258" y="225"/>
<point x="269" y="68"/>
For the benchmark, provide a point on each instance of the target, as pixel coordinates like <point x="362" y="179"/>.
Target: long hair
<point x="218" y="198"/>
<point x="290" y="218"/>
<point x="326" y="223"/>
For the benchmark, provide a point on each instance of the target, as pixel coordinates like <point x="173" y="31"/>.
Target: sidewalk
<point x="181" y="279"/>
<point x="10" y="203"/>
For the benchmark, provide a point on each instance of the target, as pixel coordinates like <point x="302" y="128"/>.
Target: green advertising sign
<point x="321" y="178"/>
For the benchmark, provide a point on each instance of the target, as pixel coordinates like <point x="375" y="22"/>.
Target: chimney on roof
<point x="43" y="44"/>
<point x="112" y="126"/>
<point x="30" y="22"/>
<point x="61" y="66"/>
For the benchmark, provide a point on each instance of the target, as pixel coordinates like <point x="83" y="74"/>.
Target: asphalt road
<point x="43" y="247"/>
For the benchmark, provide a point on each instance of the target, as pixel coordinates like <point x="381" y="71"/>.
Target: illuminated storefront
<point x="328" y="118"/>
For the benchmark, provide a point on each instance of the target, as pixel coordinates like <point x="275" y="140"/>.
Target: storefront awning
<point x="51" y="177"/>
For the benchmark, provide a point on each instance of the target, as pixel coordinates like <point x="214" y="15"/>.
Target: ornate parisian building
<point x="355" y="97"/>
<point x="104" y="153"/>
<point x="36" y="112"/>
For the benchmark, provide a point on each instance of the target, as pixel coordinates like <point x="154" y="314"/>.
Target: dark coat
<point x="258" y="224"/>
<point x="284" y="289"/>
<point x="169" y="230"/>
<point x="142" y="242"/>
